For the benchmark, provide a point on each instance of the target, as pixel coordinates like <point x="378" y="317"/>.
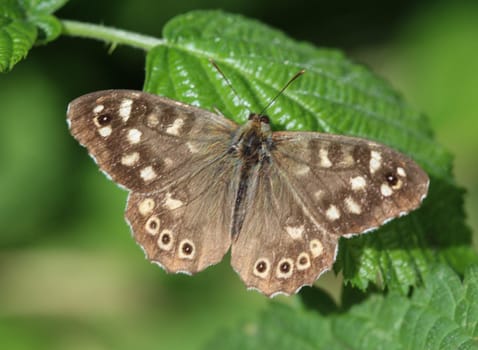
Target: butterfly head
<point x="260" y="122"/>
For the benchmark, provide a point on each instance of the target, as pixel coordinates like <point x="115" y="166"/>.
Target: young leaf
<point x="443" y="315"/>
<point x="39" y="13"/>
<point x="22" y="23"/>
<point x="16" y="34"/>
<point x="334" y="95"/>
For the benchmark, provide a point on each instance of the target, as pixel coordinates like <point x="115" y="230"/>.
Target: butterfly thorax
<point x="253" y="141"/>
<point x="251" y="145"/>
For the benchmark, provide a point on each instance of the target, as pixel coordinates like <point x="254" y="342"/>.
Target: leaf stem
<point x="109" y="35"/>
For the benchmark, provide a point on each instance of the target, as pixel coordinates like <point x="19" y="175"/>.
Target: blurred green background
<point x="71" y="277"/>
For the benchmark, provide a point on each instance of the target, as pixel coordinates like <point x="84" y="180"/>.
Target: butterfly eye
<point x="251" y="116"/>
<point x="104" y="119"/>
<point x="261" y="266"/>
<point x="285" y="267"/>
<point x="165" y="239"/>
<point x="265" y="119"/>
<point x="152" y="225"/>
<point x="187" y="248"/>
<point x="391" y="179"/>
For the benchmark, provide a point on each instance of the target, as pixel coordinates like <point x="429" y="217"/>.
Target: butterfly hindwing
<point x="280" y="247"/>
<point x="314" y="189"/>
<point x="145" y="142"/>
<point x="185" y="228"/>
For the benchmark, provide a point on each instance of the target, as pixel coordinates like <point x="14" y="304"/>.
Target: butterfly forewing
<point x="146" y="142"/>
<point x="349" y="185"/>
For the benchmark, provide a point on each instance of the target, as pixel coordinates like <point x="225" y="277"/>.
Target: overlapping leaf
<point x="23" y="23"/>
<point x="443" y="315"/>
<point x="335" y="95"/>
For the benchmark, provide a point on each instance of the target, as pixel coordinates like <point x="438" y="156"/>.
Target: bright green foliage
<point x="17" y="35"/>
<point x="39" y="13"/>
<point x="443" y="315"/>
<point x="334" y="95"/>
<point x="22" y="23"/>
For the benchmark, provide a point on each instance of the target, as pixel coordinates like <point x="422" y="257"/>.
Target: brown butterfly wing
<point x="316" y="188"/>
<point x="172" y="157"/>
<point x="186" y="227"/>
<point x="350" y="185"/>
<point x="145" y="142"/>
<point x="280" y="247"/>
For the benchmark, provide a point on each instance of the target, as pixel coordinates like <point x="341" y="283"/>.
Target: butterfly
<point x="200" y="184"/>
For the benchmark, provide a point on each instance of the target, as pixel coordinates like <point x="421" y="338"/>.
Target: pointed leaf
<point x="334" y="95"/>
<point x="19" y="24"/>
<point x="17" y="35"/>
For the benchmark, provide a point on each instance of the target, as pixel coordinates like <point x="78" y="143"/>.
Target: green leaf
<point x="50" y="27"/>
<point x="23" y="23"/>
<point x="399" y="254"/>
<point x="334" y="95"/>
<point x="444" y="315"/>
<point x="42" y="6"/>
<point x="39" y="13"/>
<point x="17" y="35"/>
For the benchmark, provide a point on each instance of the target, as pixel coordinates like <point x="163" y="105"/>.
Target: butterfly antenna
<point x="291" y="80"/>
<point x="228" y="82"/>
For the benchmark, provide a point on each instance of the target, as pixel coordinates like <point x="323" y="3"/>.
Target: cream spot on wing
<point x="261" y="267"/>
<point x="302" y="170"/>
<point x="285" y="268"/>
<point x="295" y="232"/>
<point x="319" y="195"/>
<point x="168" y="162"/>
<point x="332" y="213"/>
<point x="152" y="225"/>
<point x="165" y="240"/>
<point x="358" y="183"/>
<point x="347" y="160"/>
<point x="130" y="159"/>
<point x="152" y="120"/>
<point x="316" y="247"/>
<point x="352" y="206"/>
<point x="175" y="127"/>
<point x="98" y="109"/>
<point x="171" y="203"/>
<point x="401" y="172"/>
<point x="386" y="190"/>
<point x="148" y="173"/>
<point x="375" y="161"/>
<point x="192" y="147"/>
<point x="398" y="185"/>
<point x="125" y="109"/>
<point x="105" y="131"/>
<point x="134" y="136"/>
<point x="186" y="249"/>
<point x="146" y="206"/>
<point x="303" y="261"/>
<point x="324" y="158"/>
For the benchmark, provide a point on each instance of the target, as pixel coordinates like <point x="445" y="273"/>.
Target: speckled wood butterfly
<point x="200" y="184"/>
